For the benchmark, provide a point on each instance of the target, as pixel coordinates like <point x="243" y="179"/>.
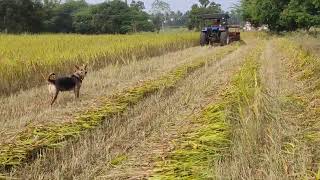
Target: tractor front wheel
<point x="203" y="39"/>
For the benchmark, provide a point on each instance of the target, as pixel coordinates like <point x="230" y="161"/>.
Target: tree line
<point x="77" y="16"/>
<point x="116" y="16"/>
<point x="282" y="15"/>
<point x="197" y="10"/>
<point x="73" y="16"/>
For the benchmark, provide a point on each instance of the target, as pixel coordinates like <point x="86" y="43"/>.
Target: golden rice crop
<point x="25" y="58"/>
<point x="35" y="138"/>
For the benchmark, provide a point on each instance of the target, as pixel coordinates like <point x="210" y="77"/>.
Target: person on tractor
<point x="217" y="22"/>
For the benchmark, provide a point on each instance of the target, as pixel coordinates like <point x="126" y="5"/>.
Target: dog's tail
<point x="52" y="78"/>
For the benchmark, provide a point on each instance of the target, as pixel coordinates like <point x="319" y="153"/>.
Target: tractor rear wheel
<point x="203" y="39"/>
<point x="224" y="39"/>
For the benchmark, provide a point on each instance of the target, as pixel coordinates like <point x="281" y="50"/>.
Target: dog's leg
<point x="77" y="92"/>
<point x="54" y="98"/>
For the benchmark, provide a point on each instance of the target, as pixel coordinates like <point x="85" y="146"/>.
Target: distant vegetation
<point x="77" y="16"/>
<point x="205" y="7"/>
<point x="121" y="17"/>
<point x="284" y="15"/>
<point x="116" y="17"/>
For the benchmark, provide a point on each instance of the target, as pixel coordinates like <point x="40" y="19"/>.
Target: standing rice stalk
<point x="26" y="58"/>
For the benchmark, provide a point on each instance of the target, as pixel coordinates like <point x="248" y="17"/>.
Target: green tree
<point x="51" y="3"/>
<point x="196" y="12"/>
<point x="157" y="20"/>
<point x="138" y="5"/>
<point x="112" y="17"/>
<point x="160" y="7"/>
<point x="62" y="16"/>
<point x="159" y="11"/>
<point x="82" y="21"/>
<point x="69" y="16"/>
<point x="236" y="15"/>
<point x="176" y="18"/>
<point x="20" y="16"/>
<point x="140" y="19"/>
<point x="204" y="3"/>
<point x="300" y="14"/>
<point x="282" y="15"/>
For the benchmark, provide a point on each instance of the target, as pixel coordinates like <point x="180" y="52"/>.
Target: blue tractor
<point x="216" y="30"/>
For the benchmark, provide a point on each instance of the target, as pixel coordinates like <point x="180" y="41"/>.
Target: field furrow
<point x="260" y="154"/>
<point x="245" y="106"/>
<point x="300" y="109"/>
<point x="174" y="123"/>
<point x="276" y="137"/>
<point x="28" y="142"/>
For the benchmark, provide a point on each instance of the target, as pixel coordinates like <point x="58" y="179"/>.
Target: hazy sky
<point x="181" y="5"/>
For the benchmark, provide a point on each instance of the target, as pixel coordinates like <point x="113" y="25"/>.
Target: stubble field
<point x="162" y="108"/>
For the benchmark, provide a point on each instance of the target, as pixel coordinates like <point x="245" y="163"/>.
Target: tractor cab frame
<point x="216" y="30"/>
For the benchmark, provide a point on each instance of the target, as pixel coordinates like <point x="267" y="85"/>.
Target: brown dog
<point x="70" y="83"/>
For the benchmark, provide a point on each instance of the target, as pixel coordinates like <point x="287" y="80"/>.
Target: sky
<point x="182" y="5"/>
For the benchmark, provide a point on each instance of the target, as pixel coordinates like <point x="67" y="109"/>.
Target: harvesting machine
<point x="217" y="30"/>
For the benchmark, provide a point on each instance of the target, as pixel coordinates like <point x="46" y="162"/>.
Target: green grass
<point x="118" y="159"/>
<point x="28" y="143"/>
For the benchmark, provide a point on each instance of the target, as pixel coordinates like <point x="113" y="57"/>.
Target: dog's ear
<point x="85" y="66"/>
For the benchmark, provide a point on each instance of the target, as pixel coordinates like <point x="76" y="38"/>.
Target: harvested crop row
<point x="33" y="139"/>
<point x="309" y="42"/>
<point x="302" y="60"/>
<point x="25" y="59"/>
<point x="305" y="102"/>
<point x="195" y="152"/>
<point x="125" y="147"/>
<point x="246" y="113"/>
<point x="198" y="153"/>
